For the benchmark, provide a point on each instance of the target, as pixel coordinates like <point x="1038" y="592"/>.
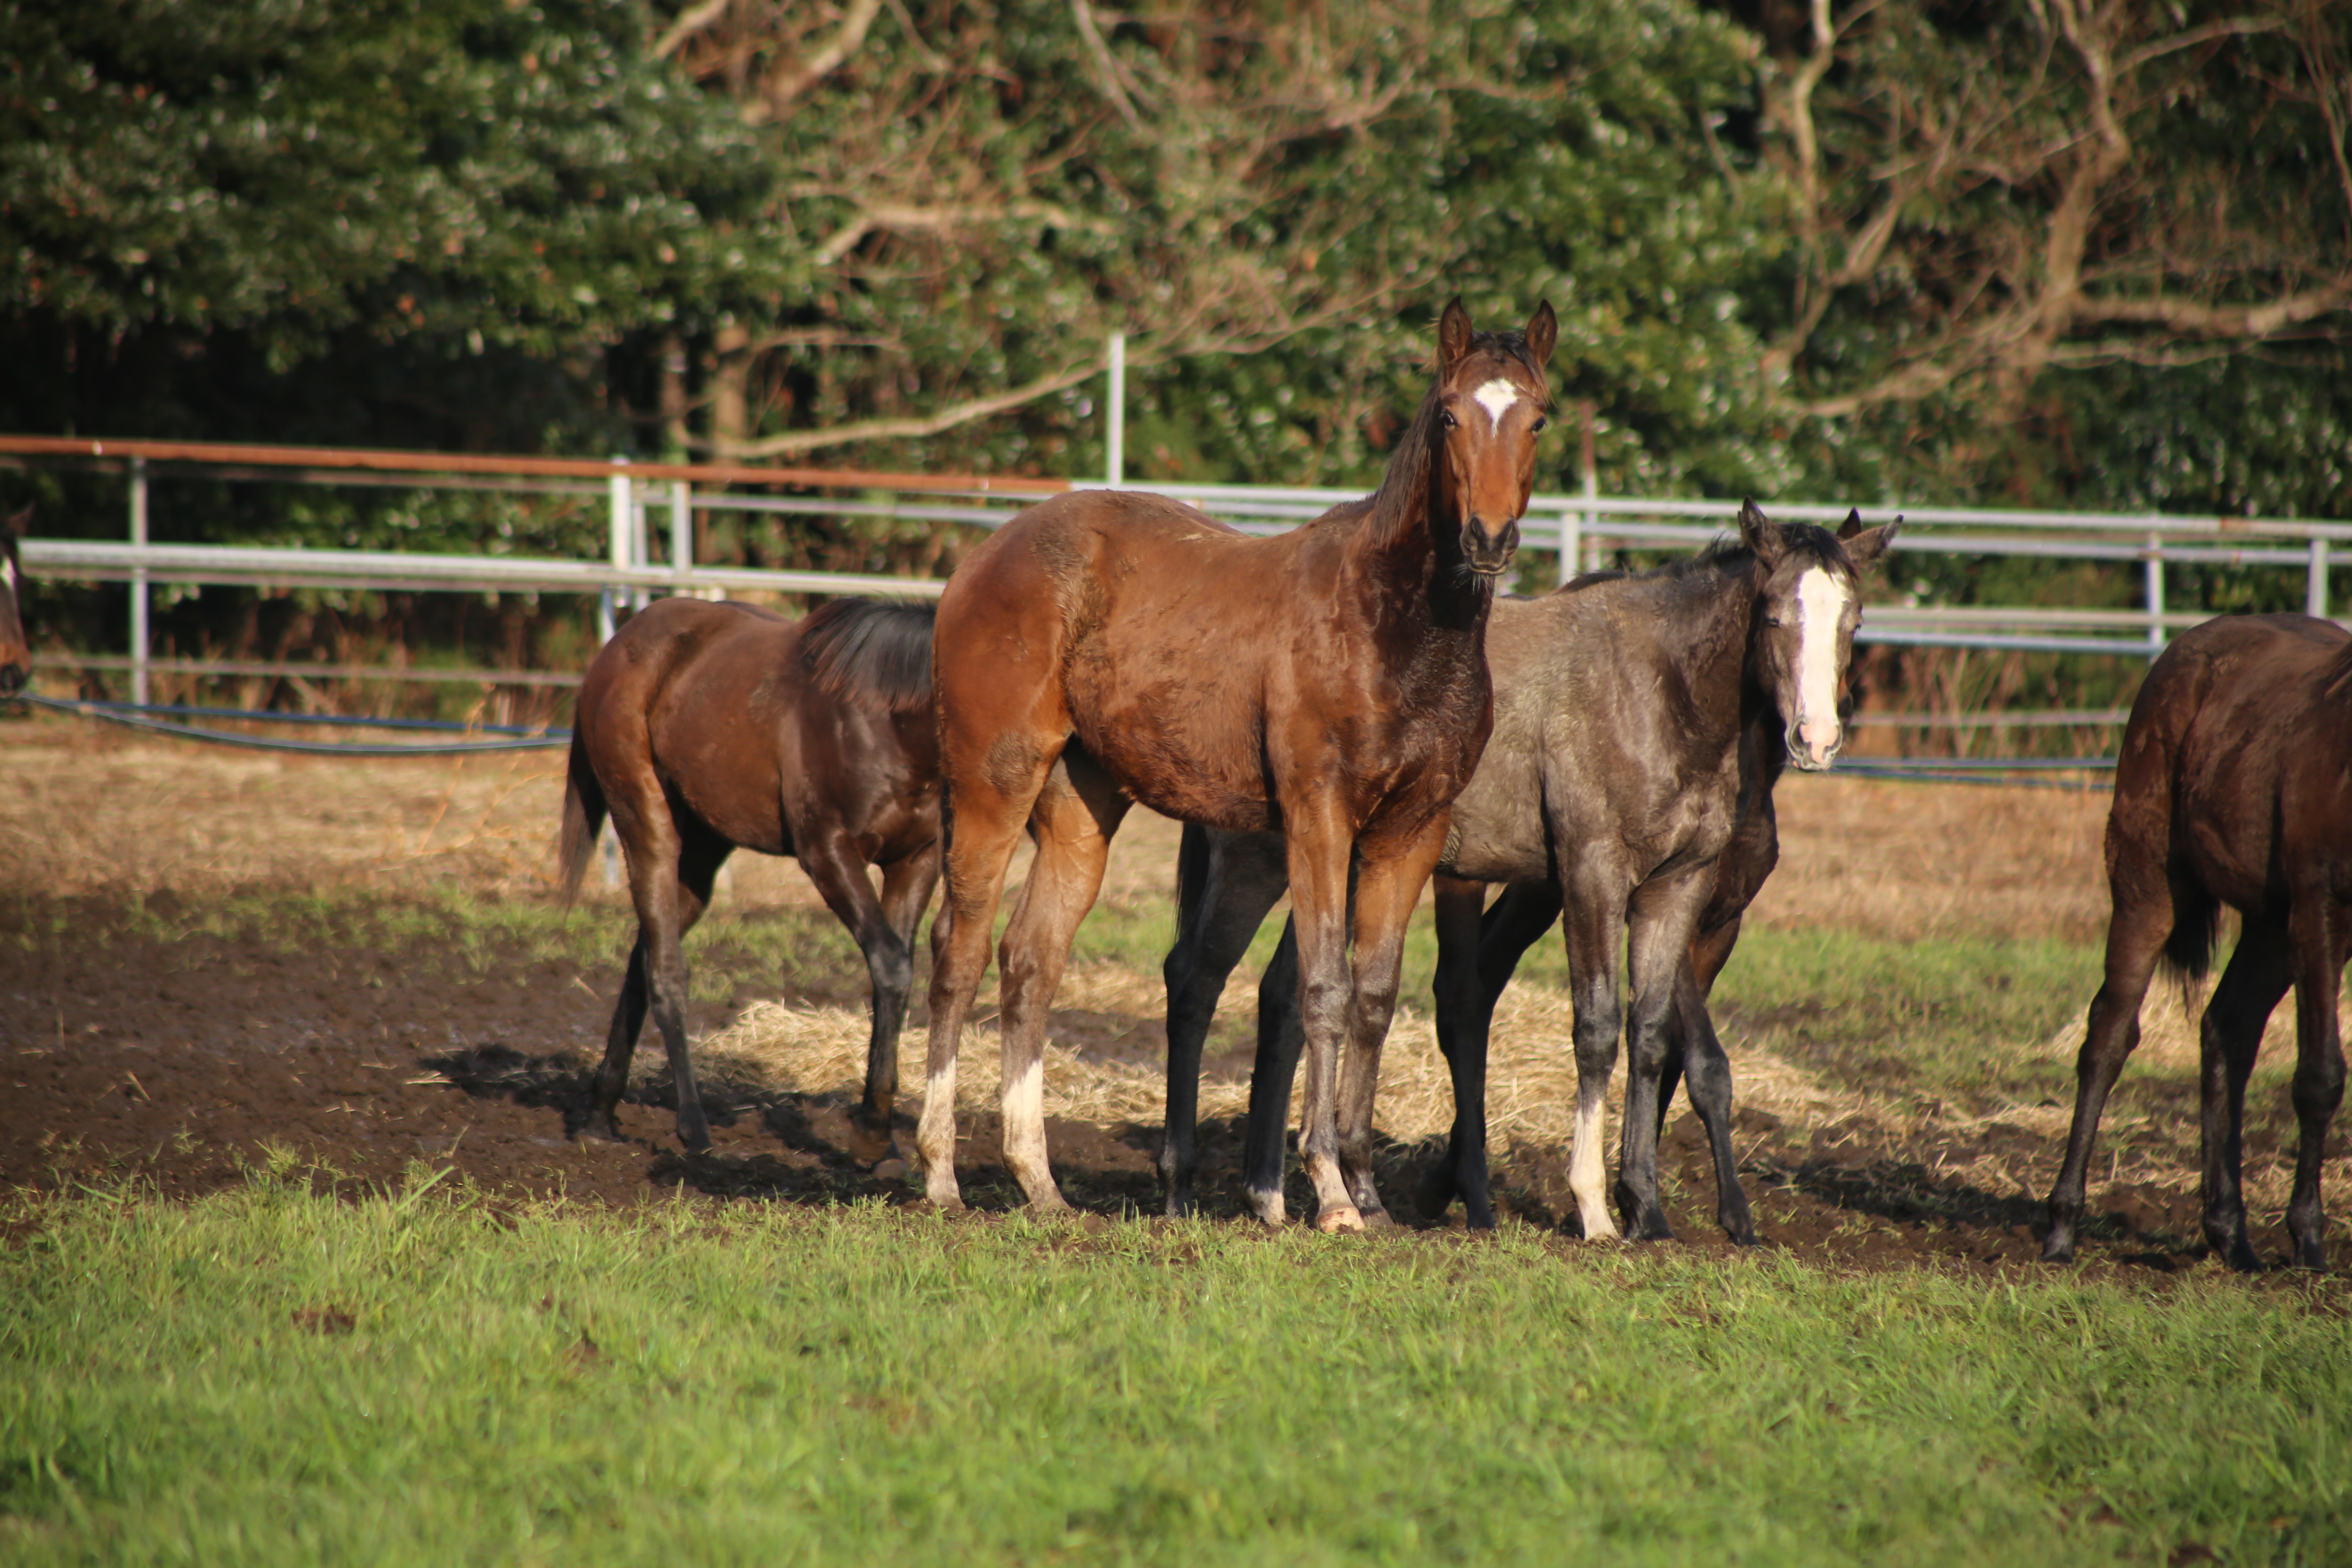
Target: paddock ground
<point x="214" y="962"/>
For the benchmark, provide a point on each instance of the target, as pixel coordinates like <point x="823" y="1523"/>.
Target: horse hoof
<point x="1339" y="1218"/>
<point x="1743" y="1238"/>
<point x="1433" y="1194"/>
<point x="2057" y="1249"/>
<point x="1479" y="1216"/>
<point x="890" y="1171"/>
<point x="868" y="1146"/>
<point x="1050" y="1203"/>
<point x="1376" y="1219"/>
<point x="1269" y="1209"/>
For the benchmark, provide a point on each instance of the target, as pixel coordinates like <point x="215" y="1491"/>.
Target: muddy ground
<point x="188" y="1062"/>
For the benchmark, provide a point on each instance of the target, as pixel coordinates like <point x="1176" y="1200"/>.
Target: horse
<point x="2233" y="787"/>
<point x="1328" y="684"/>
<point x="1641" y="723"/>
<point x="16" y="650"/>
<point x="704" y="728"/>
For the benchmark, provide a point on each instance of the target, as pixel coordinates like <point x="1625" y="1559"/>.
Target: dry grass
<point x="1915" y="862"/>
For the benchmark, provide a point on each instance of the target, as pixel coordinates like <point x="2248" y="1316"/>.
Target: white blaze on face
<point x="1496" y="397"/>
<point x="1821" y="601"/>
<point x="8" y="574"/>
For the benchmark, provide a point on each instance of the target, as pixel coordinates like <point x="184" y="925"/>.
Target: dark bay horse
<point x="1640" y="723"/>
<point x="1328" y="684"/>
<point x="2234" y="787"/>
<point x="16" y="650"/>
<point x="704" y="728"/>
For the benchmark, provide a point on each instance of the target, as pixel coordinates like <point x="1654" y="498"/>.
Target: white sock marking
<point x="1821" y="600"/>
<point x="1496" y="397"/>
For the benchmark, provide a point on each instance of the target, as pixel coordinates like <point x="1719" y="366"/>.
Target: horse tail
<point x="2196" y="928"/>
<point x="584" y="815"/>
<point x="872" y="652"/>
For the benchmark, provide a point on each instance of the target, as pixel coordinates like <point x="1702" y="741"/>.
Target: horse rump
<point x="871" y="651"/>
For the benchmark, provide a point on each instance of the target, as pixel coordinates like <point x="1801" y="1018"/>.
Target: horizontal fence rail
<point x="644" y="500"/>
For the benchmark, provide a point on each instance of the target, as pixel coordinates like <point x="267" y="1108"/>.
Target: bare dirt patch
<point x="188" y="1058"/>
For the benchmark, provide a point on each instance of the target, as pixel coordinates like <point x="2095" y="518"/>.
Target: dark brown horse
<point x="2234" y="787"/>
<point x="706" y="728"/>
<point x="1639" y="725"/>
<point x="1328" y="684"/>
<point x="16" y="652"/>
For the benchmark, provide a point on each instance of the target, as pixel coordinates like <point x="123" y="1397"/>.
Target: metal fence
<point x="651" y="508"/>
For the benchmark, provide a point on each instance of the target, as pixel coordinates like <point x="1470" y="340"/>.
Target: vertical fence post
<point x="139" y="637"/>
<point x="641" y="544"/>
<point x="681" y="531"/>
<point x="620" y="529"/>
<point x="2155" y="568"/>
<point x="1115" y="464"/>
<point x="2314" y="590"/>
<point x="1590" y="469"/>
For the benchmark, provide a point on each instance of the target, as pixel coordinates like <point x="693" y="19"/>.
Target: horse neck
<point x="1407" y="552"/>
<point x="1706" y="623"/>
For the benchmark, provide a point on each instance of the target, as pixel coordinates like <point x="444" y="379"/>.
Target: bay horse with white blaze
<point x="2234" y="786"/>
<point x="704" y="728"/>
<point x="16" y="650"/>
<point x="1640" y="723"/>
<point x="1328" y="684"/>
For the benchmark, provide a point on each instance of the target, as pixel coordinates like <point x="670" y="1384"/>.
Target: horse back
<point x="1140" y="625"/>
<point x="719" y="707"/>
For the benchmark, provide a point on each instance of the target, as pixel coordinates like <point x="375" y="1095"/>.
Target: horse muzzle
<point x="1810" y="752"/>
<point x="1489" y="552"/>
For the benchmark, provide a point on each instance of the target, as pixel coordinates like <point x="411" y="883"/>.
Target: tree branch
<point x="1106" y="68"/>
<point x="2197" y="318"/>
<point x="937" y="220"/>
<point x="776" y="94"/>
<point x="964" y="413"/>
<point x="690" y="21"/>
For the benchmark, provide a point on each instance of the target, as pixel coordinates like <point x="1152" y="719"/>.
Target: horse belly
<point x="1190" y="751"/>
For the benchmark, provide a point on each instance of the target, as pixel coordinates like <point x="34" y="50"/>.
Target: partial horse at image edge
<point x="2234" y="787"/>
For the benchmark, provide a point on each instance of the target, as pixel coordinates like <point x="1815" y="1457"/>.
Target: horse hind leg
<point x="2319" y="955"/>
<point x="2136" y="931"/>
<point x="602" y="1119"/>
<point x="2228" y="1039"/>
<point x="1075" y="817"/>
<point x="1281" y="1037"/>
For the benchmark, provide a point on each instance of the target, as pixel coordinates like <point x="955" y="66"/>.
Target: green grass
<point x="699" y="1385"/>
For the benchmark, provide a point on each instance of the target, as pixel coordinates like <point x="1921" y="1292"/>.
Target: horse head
<point x="16" y="652"/>
<point x="1808" y="604"/>
<point x="1491" y="402"/>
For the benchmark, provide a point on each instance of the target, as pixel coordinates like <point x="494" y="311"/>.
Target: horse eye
<point x="1447" y="415"/>
<point x="1540" y="424"/>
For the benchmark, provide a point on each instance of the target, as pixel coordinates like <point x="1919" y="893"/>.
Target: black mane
<point x="867" y="650"/>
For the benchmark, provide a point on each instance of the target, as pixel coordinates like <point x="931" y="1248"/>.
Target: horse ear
<point x="1452" y="335"/>
<point x="1543" y="332"/>
<point x="1758" y="534"/>
<point x="1863" y="546"/>
<point x="1852" y="525"/>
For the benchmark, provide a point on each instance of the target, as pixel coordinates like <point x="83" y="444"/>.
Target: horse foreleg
<point x="1664" y="911"/>
<point x="841" y="879"/>
<point x="1320" y="843"/>
<point x="1225" y="884"/>
<point x="1072" y="821"/>
<point x="1709" y="1068"/>
<point x="1592" y="923"/>
<point x="907" y="889"/>
<point x="1388" y="885"/>
<point x="2319" y="1068"/>
<point x="2227" y="1042"/>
